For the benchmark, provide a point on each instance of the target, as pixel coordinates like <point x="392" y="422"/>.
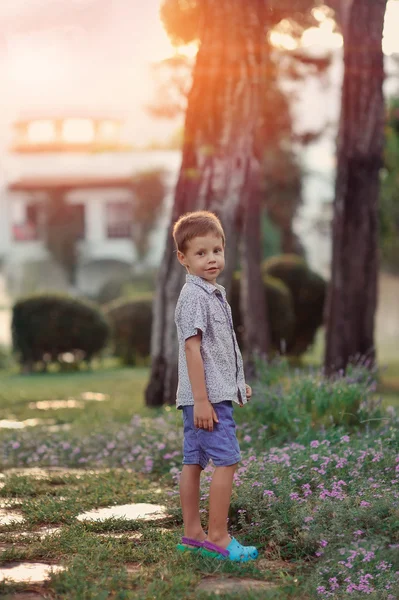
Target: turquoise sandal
<point x="235" y="551"/>
<point x="189" y="545"/>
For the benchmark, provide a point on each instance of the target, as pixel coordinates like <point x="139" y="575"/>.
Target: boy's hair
<point x="196" y="224"/>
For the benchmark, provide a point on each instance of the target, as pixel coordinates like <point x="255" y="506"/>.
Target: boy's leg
<point x="190" y="498"/>
<point x="219" y="503"/>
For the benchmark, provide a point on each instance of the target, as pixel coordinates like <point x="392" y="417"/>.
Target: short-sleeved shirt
<point x="203" y="307"/>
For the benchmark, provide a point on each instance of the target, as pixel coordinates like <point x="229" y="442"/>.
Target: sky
<point x="57" y="55"/>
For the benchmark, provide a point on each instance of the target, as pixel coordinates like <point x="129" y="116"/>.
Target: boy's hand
<point x="204" y="415"/>
<point x="248" y="392"/>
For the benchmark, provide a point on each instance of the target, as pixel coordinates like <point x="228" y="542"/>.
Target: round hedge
<point x="280" y="311"/>
<point x="131" y="321"/>
<point x="45" y="326"/>
<point x="308" y="292"/>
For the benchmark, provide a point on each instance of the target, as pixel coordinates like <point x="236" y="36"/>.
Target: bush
<point x="6" y="359"/>
<point x="131" y="322"/>
<point x="280" y="309"/>
<point x="308" y="291"/>
<point x="123" y="287"/>
<point x="46" y="326"/>
<point x="297" y="403"/>
<point x="111" y="290"/>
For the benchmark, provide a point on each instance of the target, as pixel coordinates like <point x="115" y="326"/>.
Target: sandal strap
<point x="214" y="548"/>
<point x="191" y="542"/>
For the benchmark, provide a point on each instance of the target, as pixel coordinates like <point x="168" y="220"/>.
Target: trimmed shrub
<point x="6" y="358"/>
<point x="46" y="326"/>
<point x="308" y="291"/>
<point x="131" y="322"/>
<point x="111" y="290"/>
<point x="281" y="316"/>
<point x="122" y="287"/>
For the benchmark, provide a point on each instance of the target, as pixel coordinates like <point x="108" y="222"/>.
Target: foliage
<point x="5" y="357"/>
<point x="131" y="321"/>
<point x="318" y="497"/>
<point x="389" y="196"/>
<point x="126" y="287"/>
<point x="182" y="18"/>
<point x="294" y="310"/>
<point x="271" y="237"/>
<point x="280" y="313"/>
<point x="281" y="171"/>
<point x="308" y="290"/>
<point x="47" y="326"/>
<point x="111" y="290"/>
<point x="150" y="189"/>
<point x="62" y="230"/>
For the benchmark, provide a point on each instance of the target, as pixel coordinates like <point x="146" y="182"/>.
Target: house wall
<point x="28" y="263"/>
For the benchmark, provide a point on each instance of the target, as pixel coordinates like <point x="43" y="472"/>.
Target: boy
<point x="211" y="379"/>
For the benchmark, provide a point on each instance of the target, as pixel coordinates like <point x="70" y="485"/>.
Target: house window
<point x="78" y="131"/>
<point x="41" y="132"/>
<point x="25" y="226"/>
<point x="119" y="220"/>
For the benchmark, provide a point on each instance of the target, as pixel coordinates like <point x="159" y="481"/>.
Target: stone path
<point x="34" y="572"/>
<point x="219" y="585"/>
<point x="147" y="512"/>
<point x="37" y="573"/>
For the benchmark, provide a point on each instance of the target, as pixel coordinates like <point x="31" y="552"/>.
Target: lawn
<point x="125" y="388"/>
<point x="114" y="451"/>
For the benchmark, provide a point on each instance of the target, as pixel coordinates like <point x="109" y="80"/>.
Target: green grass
<point x="124" y="386"/>
<point x="388" y="358"/>
<point x="97" y="565"/>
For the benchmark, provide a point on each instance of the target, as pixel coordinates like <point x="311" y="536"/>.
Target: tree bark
<point x="353" y="290"/>
<point x="252" y="292"/>
<point x="223" y="110"/>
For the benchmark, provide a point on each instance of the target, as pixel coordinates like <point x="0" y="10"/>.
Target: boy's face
<point x="204" y="257"/>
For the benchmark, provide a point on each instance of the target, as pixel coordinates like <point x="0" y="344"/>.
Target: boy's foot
<point x="235" y="551"/>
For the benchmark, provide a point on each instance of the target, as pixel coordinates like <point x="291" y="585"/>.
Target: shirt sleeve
<point x="191" y="316"/>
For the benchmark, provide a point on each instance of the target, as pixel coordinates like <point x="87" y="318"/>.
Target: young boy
<point x="211" y="379"/>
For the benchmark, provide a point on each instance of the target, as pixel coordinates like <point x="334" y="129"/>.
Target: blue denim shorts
<point x="220" y="445"/>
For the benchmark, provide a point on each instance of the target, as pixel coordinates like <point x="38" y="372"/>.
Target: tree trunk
<point x="223" y="109"/>
<point x="353" y="290"/>
<point x="252" y="292"/>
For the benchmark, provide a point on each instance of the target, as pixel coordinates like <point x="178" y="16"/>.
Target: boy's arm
<point x="204" y="413"/>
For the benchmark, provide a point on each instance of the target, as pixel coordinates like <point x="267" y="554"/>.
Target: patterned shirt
<point x="203" y="307"/>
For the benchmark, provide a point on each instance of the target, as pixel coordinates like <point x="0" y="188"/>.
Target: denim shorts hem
<point x="196" y="460"/>
<point x="227" y="462"/>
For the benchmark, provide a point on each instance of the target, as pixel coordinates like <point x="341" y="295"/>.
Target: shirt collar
<point x="205" y="285"/>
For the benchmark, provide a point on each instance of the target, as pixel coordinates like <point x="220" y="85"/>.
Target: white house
<point x="85" y="158"/>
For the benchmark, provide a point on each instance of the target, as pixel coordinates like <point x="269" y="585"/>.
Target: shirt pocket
<point x="219" y="316"/>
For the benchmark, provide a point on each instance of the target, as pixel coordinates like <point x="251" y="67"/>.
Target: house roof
<point x="28" y="184"/>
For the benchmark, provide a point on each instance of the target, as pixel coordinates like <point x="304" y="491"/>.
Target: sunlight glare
<point x="189" y="50"/>
<point x="78" y="130"/>
<point x="278" y="39"/>
<point x="321" y="13"/>
<point x="390" y="42"/>
<point x="323" y="35"/>
<point x="40" y="132"/>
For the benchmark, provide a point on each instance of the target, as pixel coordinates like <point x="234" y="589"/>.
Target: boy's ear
<point x="181" y="258"/>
